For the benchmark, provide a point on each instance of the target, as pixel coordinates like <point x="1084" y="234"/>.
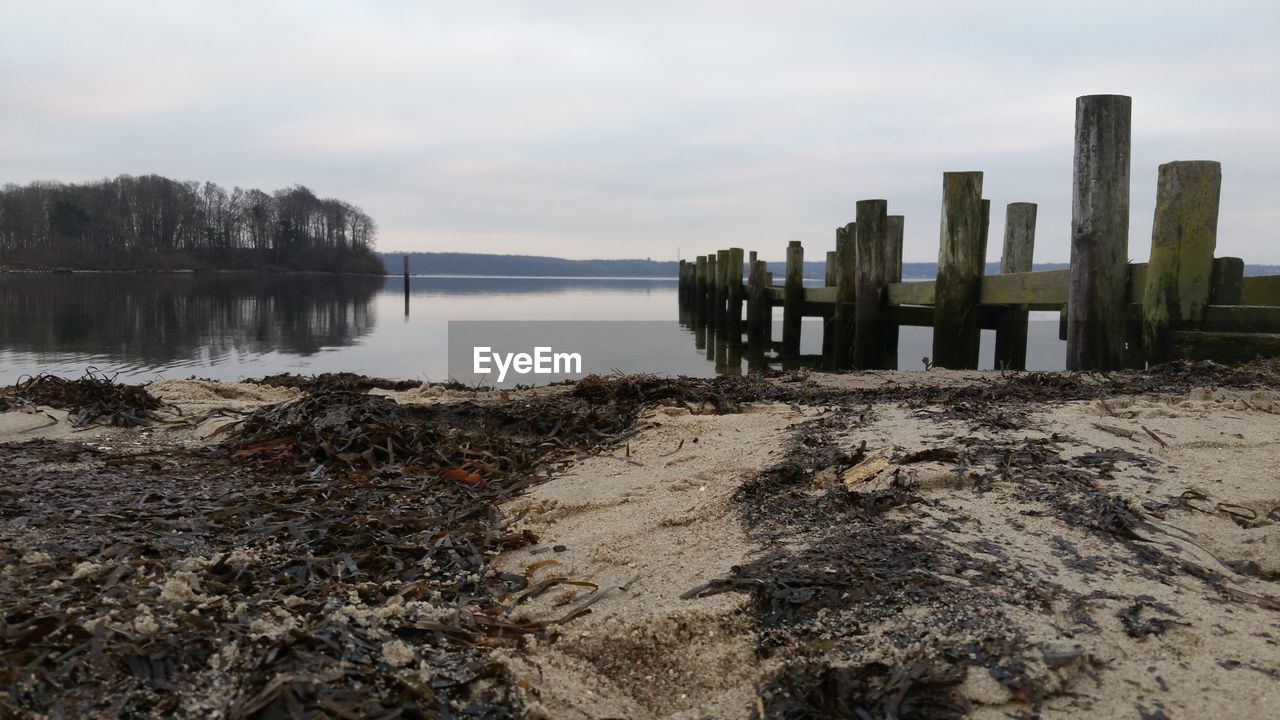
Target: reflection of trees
<point x="430" y="285"/>
<point x="160" y="318"/>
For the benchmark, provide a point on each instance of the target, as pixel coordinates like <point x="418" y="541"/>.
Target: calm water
<point x="228" y="326"/>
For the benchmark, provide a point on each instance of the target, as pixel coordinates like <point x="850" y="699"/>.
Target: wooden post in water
<point x="793" y="299"/>
<point x="956" y="332"/>
<point x="1098" y="306"/>
<point x="829" y="323"/>
<point x="846" y="293"/>
<point x="1183" y="237"/>
<point x="733" y="314"/>
<point x="872" y="235"/>
<point x="722" y="289"/>
<point x="892" y="274"/>
<point x="1228" y="281"/>
<point x="700" y="285"/>
<point x="1019" y="247"/>
<point x="406" y="286"/>
<point x="710" y="298"/>
<point x="759" y="310"/>
<point x="682" y="282"/>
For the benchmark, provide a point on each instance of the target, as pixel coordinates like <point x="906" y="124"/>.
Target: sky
<point x="592" y="129"/>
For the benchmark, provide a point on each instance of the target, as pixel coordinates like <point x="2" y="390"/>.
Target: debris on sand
<point x="94" y="398"/>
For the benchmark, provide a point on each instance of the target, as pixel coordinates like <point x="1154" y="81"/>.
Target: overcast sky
<point x="607" y="129"/>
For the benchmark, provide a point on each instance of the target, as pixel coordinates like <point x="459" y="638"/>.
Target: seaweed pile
<point x="333" y="557"/>
<point x="93" y="398"/>
<point x="350" y="382"/>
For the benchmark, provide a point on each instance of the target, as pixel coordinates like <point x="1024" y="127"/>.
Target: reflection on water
<point x="230" y="326"/>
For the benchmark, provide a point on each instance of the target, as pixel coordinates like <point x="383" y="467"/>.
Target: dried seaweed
<point x="343" y="381"/>
<point x="94" y="398"/>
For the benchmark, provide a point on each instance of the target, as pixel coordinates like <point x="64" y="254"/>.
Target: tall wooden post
<point x="709" y="299"/>
<point x="956" y="332"/>
<point x="1183" y="237"/>
<point x="700" y="285"/>
<point x="1019" y="247"/>
<point x="722" y="289"/>
<point x="892" y="274"/>
<point x="406" y="286"/>
<point x="1098" y="306"/>
<point x="793" y="299"/>
<point x="872" y="236"/>
<point x="846" y="294"/>
<point x="829" y="322"/>
<point x="759" y="310"/>
<point x="733" y="313"/>
<point x="682" y="282"/>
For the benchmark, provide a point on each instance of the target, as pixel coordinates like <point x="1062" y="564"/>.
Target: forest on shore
<point x="151" y="222"/>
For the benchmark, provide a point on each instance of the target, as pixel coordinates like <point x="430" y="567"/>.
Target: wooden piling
<point x="1183" y="237"/>
<point x="793" y="299"/>
<point x="700" y="284"/>
<point x="956" y="333"/>
<point x="846" y="293"/>
<point x="682" y="283"/>
<point x="893" y="274"/>
<point x="871" y="237"/>
<point x="722" y="289"/>
<point x="1098" y="304"/>
<point x="829" y="322"/>
<point x="709" y="299"/>
<point x="1228" y="281"/>
<point x="406" y="285"/>
<point x="733" y="313"/>
<point x="759" y="309"/>
<point x="1019" y="248"/>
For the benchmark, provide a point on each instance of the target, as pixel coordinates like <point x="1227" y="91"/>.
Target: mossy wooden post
<point x="1098" y="306"/>
<point x="759" y="310"/>
<point x="793" y="299"/>
<point x="984" y="228"/>
<point x="1228" y="281"/>
<point x="893" y="274"/>
<point x="733" y="313"/>
<point x="1183" y="237"/>
<point x="722" y="289"/>
<point x="869" y="310"/>
<point x="956" y="333"/>
<point x="829" y="323"/>
<point x="682" y="282"/>
<point x="846" y="294"/>
<point x="709" y="300"/>
<point x="751" y="258"/>
<point x="1019" y="247"/>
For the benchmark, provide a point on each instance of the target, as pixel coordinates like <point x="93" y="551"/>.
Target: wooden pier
<point x="1183" y="303"/>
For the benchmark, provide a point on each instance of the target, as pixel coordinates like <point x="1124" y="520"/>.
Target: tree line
<point x="153" y="222"/>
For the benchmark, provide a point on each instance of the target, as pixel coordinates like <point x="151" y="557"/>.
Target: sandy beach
<point x="909" y="544"/>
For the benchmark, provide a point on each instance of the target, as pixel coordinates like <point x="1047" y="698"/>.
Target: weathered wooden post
<point x="1183" y="237"/>
<point x="1098" y="306"/>
<point x="846" y="293"/>
<point x="829" y="323"/>
<point x="406" y="285"/>
<point x="700" y="286"/>
<point x="713" y="275"/>
<point x="872" y="236"/>
<point x="793" y="299"/>
<point x="751" y="258"/>
<point x="1019" y="247"/>
<point x="682" y="282"/>
<point x="722" y="290"/>
<point x="893" y="274"/>
<point x="759" y="310"/>
<point x="1228" y="281"/>
<point x="956" y="332"/>
<point x="984" y="230"/>
<point x="733" y="313"/>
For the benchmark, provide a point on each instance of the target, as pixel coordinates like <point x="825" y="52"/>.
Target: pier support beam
<point x="872" y="236"/>
<point x="960" y="264"/>
<point x="893" y="274"/>
<point x="1183" y="237"/>
<point x="793" y="299"/>
<point x="846" y="294"/>
<point x="1019" y="247"/>
<point x="1098" y="307"/>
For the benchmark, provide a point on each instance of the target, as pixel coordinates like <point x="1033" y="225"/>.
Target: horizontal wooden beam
<point x="1260" y="290"/>
<point x="1242" y="318"/>
<point x="911" y="315"/>
<point x="1047" y="289"/>
<point x="911" y="293"/>
<point x="1224" y="347"/>
<point x="820" y="295"/>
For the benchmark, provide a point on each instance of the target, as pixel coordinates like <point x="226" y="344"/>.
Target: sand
<point x="656" y="517"/>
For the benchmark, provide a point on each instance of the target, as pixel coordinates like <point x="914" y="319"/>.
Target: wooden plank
<point x="960" y="264"/>
<point x="911" y="315"/>
<point x="820" y="295"/>
<point x="1242" y="318"/>
<point x="1042" y="289"/>
<point x="1099" y="233"/>
<point x="1224" y="347"/>
<point x="1260" y="290"/>
<point x="1184" y="235"/>
<point x="911" y="293"/>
